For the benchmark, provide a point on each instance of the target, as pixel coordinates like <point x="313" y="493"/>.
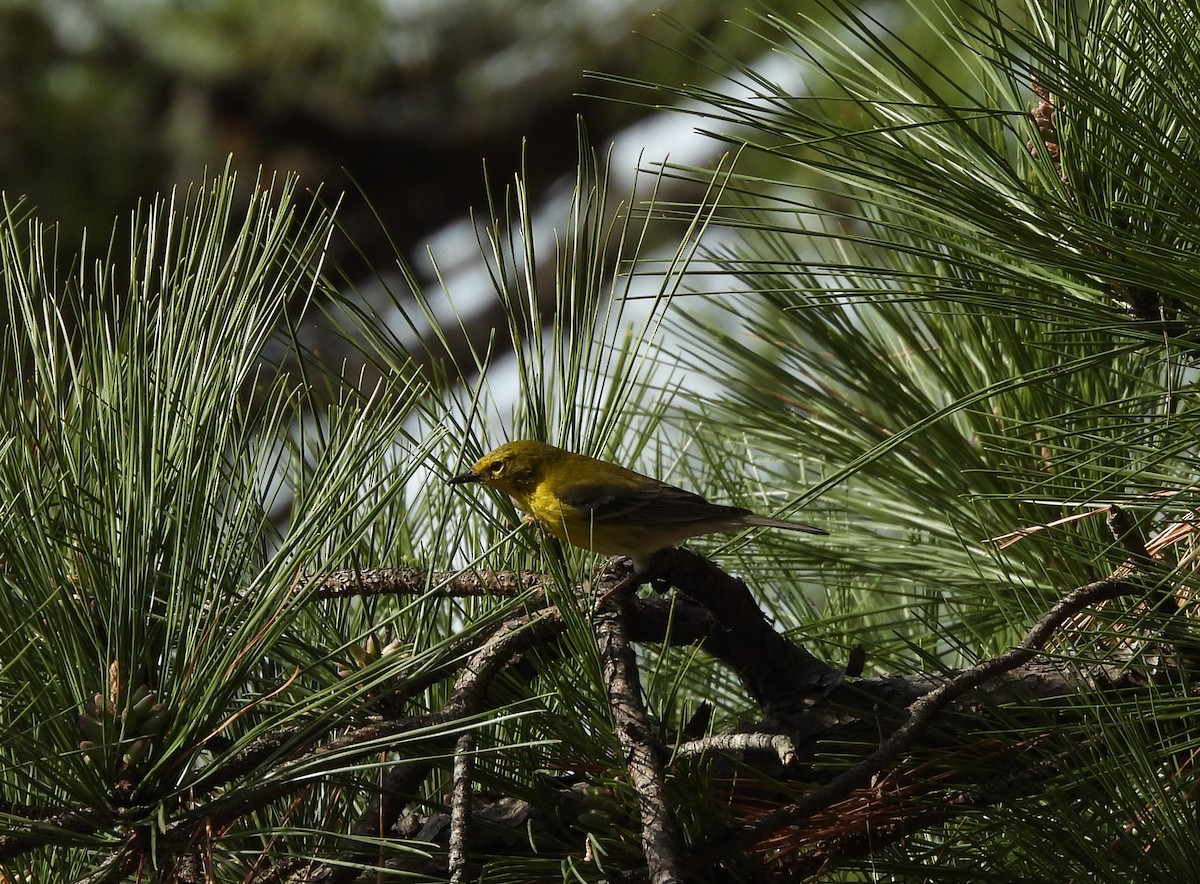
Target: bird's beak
<point x="463" y="478"/>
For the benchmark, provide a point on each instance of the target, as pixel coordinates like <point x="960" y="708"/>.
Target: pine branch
<point x="921" y="715"/>
<point x="661" y="839"/>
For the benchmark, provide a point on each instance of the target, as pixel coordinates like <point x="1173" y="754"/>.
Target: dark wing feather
<point x="650" y="504"/>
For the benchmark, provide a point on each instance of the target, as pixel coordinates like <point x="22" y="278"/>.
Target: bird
<point x="605" y="507"/>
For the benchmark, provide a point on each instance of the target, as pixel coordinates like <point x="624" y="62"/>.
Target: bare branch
<point x="780" y="744"/>
<point x="923" y="711"/>
<point x="469" y="698"/>
<point x="661" y="842"/>
<point x="460" y="808"/>
<point x="416" y="581"/>
<point x="783" y="678"/>
<point x="23" y="838"/>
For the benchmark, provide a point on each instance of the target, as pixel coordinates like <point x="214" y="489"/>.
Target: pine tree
<point x="942" y="301"/>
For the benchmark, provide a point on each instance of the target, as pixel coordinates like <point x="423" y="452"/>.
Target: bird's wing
<point x="652" y="503"/>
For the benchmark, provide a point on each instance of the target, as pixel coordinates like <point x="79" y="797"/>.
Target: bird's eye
<point x="497" y="468"/>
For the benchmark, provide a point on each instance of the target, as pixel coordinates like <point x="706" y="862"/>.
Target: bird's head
<point x="515" y="468"/>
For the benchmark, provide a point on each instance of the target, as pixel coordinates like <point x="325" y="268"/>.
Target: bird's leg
<point x="630" y="582"/>
<point x="641" y="571"/>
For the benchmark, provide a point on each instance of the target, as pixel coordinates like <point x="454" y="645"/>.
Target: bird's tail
<point x="768" y="522"/>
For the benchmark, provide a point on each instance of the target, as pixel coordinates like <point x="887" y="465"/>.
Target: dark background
<point x="398" y="103"/>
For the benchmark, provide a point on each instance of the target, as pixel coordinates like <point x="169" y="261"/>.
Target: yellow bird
<point x="604" y="507"/>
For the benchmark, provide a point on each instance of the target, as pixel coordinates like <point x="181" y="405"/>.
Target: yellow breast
<point x="571" y="526"/>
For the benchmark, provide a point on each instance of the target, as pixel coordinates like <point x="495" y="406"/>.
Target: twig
<point x="469" y="697"/>
<point x="661" y="843"/>
<point x="293" y="775"/>
<point x="922" y="812"/>
<point x="922" y="713"/>
<point x="460" y="808"/>
<point x="511" y="639"/>
<point x="249" y="759"/>
<point x="122" y="862"/>
<point x="688" y="624"/>
<point x="36" y="832"/>
<point x="780" y="744"/>
<point x="415" y="581"/>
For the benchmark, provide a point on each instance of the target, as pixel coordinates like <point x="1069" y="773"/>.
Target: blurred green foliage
<point x="106" y="102"/>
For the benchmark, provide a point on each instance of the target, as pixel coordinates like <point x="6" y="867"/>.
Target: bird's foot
<point x="634" y="578"/>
